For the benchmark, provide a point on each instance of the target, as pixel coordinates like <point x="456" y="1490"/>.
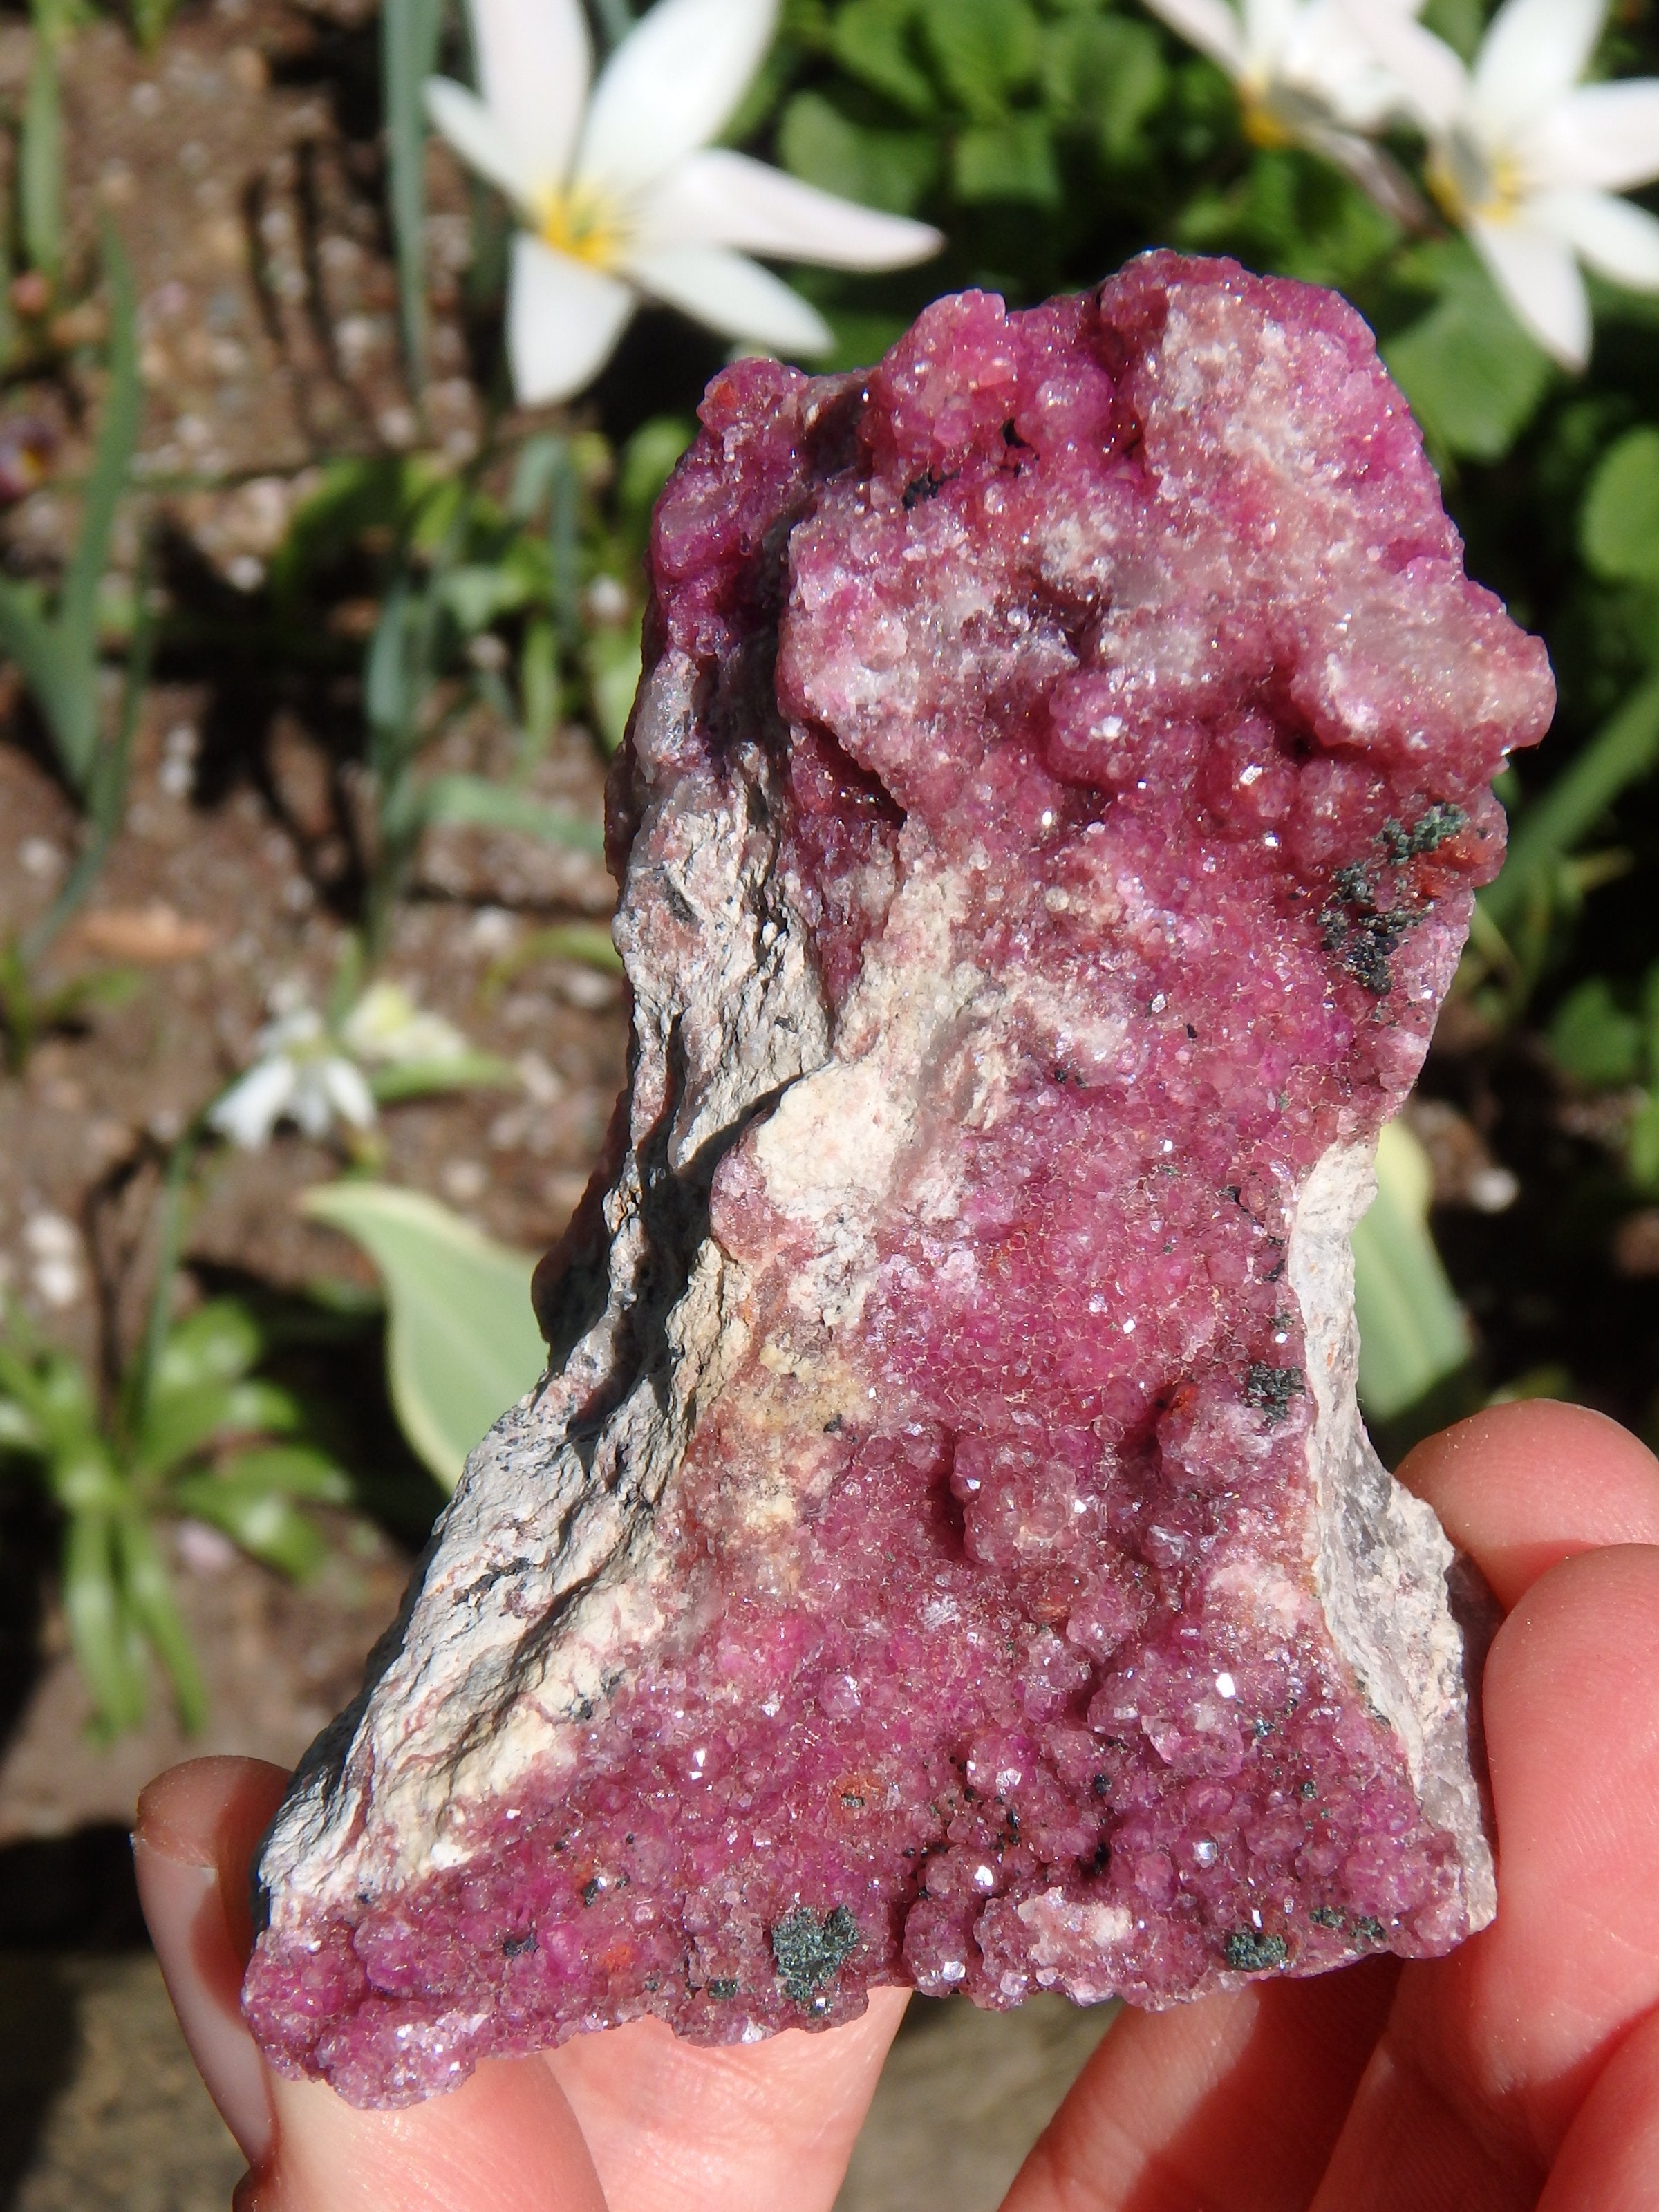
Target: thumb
<point x="505" y="2142"/>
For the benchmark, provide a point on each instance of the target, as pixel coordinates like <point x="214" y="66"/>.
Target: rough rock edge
<point x="1383" y="1565"/>
<point x="546" y="1564"/>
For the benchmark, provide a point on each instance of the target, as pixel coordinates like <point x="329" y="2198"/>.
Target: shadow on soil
<point x="57" y="1895"/>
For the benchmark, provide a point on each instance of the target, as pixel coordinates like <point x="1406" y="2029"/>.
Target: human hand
<point x="1522" y="2071"/>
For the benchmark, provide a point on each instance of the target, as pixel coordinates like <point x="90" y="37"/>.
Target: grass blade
<point x="474" y="801"/>
<point x="410" y="32"/>
<point x="40" y="157"/>
<point x="107" y="792"/>
<point x="117" y="439"/>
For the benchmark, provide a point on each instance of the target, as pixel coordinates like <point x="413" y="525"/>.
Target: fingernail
<point x="202" y="1973"/>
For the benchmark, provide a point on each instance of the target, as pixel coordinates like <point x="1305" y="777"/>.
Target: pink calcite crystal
<point x="944" y="1550"/>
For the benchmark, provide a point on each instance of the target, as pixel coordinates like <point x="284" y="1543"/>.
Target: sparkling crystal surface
<point x="1095" y="726"/>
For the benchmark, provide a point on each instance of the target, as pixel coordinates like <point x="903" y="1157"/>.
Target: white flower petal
<point x="563" y="320"/>
<point x="718" y="199"/>
<point x="535" y="64"/>
<point x="671" y="86"/>
<point x="1434" y="85"/>
<point x="1376" y="172"/>
<point x="251" y="1108"/>
<point x="301" y="1024"/>
<point x="1536" y="273"/>
<point x="343" y="1087"/>
<point x="1534" y="53"/>
<point x="1325" y="60"/>
<point x="1604" y="136"/>
<point x="1618" y="240"/>
<point x="479" y="139"/>
<point x="1269" y="28"/>
<point x="311" y="1109"/>
<point x="732" y="295"/>
<point x="1209" y="25"/>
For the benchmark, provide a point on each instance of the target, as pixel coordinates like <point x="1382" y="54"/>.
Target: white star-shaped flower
<point x="388" y="1028"/>
<point x="298" y="1074"/>
<point x="1528" y="161"/>
<point x="622" y="199"/>
<point x="1304" y="78"/>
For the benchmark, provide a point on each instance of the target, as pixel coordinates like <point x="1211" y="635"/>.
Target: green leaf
<point x="647" y="461"/>
<point x="1642" y="1143"/>
<point x="266" y="1525"/>
<point x="102" y="1633"/>
<point x="85" y="1479"/>
<point x="149" y="1591"/>
<point x="479" y="803"/>
<point x="291" y="1470"/>
<point x="1459" y="23"/>
<point x="1474" y="378"/>
<point x="1107" y="71"/>
<point x="539" y="685"/>
<point x="1593" y="1038"/>
<point x="1009" y="161"/>
<point x="463" y="1344"/>
<point x="19" y="1430"/>
<point x="891" y="169"/>
<point x="1619" y="528"/>
<point x="614" y="664"/>
<point x="40" y="155"/>
<point x="181" y="1423"/>
<point x="63" y="693"/>
<point x="460" y="1071"/>
<point x="390" y="694"/>
<point x="217" y="1343"/>
<point x="872" y="41"/>
<point x="983" y="50"/>
<point x="251" y="1501"/>
<point x="117" y="441"/>
<point x="54" y="1390"/>
<point x="478" y="594"/>
<point x="1412" y="1329"/>
<point x="409" y="31"/>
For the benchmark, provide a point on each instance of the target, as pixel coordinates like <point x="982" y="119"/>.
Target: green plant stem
<point x="175" y="1208"/>
<point x="616" y="20"/>
<point x="563" y="519"/>
<point x="1622" y="751"/>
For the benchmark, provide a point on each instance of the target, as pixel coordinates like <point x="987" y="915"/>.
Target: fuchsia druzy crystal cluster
<point x="944" y="1550"/>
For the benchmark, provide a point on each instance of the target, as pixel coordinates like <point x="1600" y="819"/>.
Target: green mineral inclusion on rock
<point x="809" y="1949"/>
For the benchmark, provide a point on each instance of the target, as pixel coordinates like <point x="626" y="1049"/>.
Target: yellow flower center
<point x="583" y="222"/>
<point x="1467" y="180"/>
<point x="1262" y="127"/>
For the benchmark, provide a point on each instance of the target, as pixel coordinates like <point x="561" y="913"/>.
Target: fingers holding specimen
<point x="506" y="2141"/>
<point x="1489" y="2054"/>
<point x="1522" y="1487"/>
<point x="196" y="1828"/>
<point x="735" y="2128"/>
<point x="1232" y="2103"/>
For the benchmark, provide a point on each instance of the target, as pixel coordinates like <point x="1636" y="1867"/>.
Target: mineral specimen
<point x="945" y="1549"/>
